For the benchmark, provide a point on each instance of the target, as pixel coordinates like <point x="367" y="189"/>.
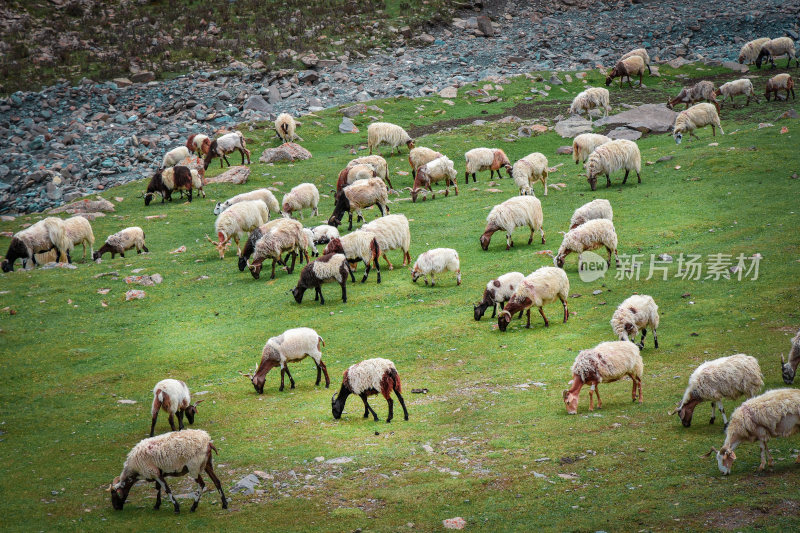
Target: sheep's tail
<point x="375" y="249"/>
<point x="285" y="128"/>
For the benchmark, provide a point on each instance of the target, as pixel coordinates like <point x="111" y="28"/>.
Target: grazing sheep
<point x="174" y="156"/>
<point x="359" y="245"/>
<point x="79" y="231"/>
<point x="310" y="243"/>
<point x="605" y="363"/>
<point x="735" y="88"/>
<point x="610" y="157"/>
<point x="391" y="134"/>
<point x="491" y="159"/>
<point x="323" y="234"/>
<point x="392" y="233"/>
<point x="593" y="210"/>
<point x="255" y="236"/>
<point x="419" y="156"/>
<point x="751" y="49"/>
<point x="782" y="46"/>
<point x="172" y="395"/>
<point x="589" y="236"/>
<point x="171" y="454"/>
<point x="641" y="52"/>
<point x="265" y="195"/>
<point x="726" y="377"/>
<point x="329" y="267"/>
<point x="285" y="126"/>
<point x="285" y="237"/>
<point x="781" y="82"/>
<point x="541" y="287"/>
<point x="514" y="213"/>
<point x="222" y="146"/>
<point x="631" y="66"/>
<point x="41" y="237"/>
<point x="788" y="368"/>
<point x="357" y="196"/>
<point x="378" y="163"/>
<point x="498" y="291"/>
<point x="121" y="241"/>
<point x="702" y="90"/>
<point x="300" y="197"/>
<point x="439" y="169"/>
<point x="634" y="314"/>
<point x="529" y="170"/>
<point x="167" y="180"/>
<point x="584" y="144"/>
<point x="290" y="346"/>
<point x="775" y="413"/>
<point x="365" y="379"/>
<point x="351" y="173"/>
<point x="237" y="220"/>
<point x="198" y="143"/>
<point x="695" y="117"/>
<point x="435" y="261"/>
<point x="591" y="98"/>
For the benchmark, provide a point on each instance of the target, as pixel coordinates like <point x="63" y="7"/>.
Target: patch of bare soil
<point x="734" y="518"/>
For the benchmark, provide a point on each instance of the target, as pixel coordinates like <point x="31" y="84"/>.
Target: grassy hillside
<point x="476" y="443"/>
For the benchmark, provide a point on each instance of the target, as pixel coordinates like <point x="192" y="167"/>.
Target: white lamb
<point x="301" y="197"/>
<point x="610" y="157"/>
<point x="290" y="346"/>
<point x="435" y="261"/>
<point x="265" y="195"/>
<point x="515" y="212"/>
<point x="634" y="314"/>
<point x="584" y="144"/>
<point x="735" y="88"/>
<point x="120" y="242"/>
<point x="237" y="221"/>
<point x="591" y="98"/>
<point x="392" y="233"/>
<point x="697" y="116"/>
<point x="588" y="236"/>
<point x="174" y="156"/>
<point x="420" y="155"/>
<point x="593" y="210"/>
<point x="391" y="134"/>
<point x="529" y="170"/>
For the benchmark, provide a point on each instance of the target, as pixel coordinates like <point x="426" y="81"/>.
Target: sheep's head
<point x="503" y="319"/>
<point x="119" y="491"/>
<point x="8" y="267"/>
<point x="787" y="371"/>
<point x="571" y="401"/>
<point x="592" y="179"/>
<point x="485" y="240"/>
<point x="334" y="247"/>
<point x="725" y="458"/>
<point x="611" y="76"/>
<point x="218" y="208"/>
<point x="678" y="136"/>
<point x="298" y="292"/>
<point x="410" y="144"/>
<point x="479" y="310"/>
<point x="559" y="261"/>
<point x="508" y="167"/>
<point x="336" y="407"/>
<point x="416" y="273"/>
<point x="191" y="411"/>
<point x="333" y="221"/>
<point x="685" y="411"/>
<point x="220" y="245"/>
<point x="741" y="58"/>
<point x="255" y="270"/>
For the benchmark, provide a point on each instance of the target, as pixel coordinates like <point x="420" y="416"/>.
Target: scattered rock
<point x="247" y="485"/>
<point x="180" y="250"/>
<point x="85" y="206"/>
<point x="564" y="150"/>
<point x="573" y="126"/>
<point x="339" y="460"/>
<point x="147" y="281"/>
<point x="457" y="522"/>
<point x="347" y="126"/>
<point x="353" y="111"/>
<point x="448" y="92"/>
<point x="485" y="26"/>
<point x="134" y="294"/>
<point x="285" y="152"/>
<point x="237" y="175"/>
<point x="143" y="77"/>
<point x="624" y="133"/>
<point x="647" y="118"/>
<point x="736" y="67"/>
<point x="788" y="114"/>
<point x="257" y="103"/>
<point x="127" y="402"/>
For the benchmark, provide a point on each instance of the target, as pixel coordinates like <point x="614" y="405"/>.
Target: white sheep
<point x="591" y="98"/>
<point x="310" y="240"/>
<point x="224" y="145"/>
<point x="584" y="144"/>
<point x="775" y="413"/>
<point x="366" y="378"/>
<point x="351" y="173"/>
<point x="641" y="52"/>
<point x="285" y="126"/>
<point x="285" y="236"/>
<point x="498" y="291"/>
<point x="491" y="159"/>
<point x="357" y="196"/>
<point x="79" y="231"/>
<point x="726" y="377"/>
<point x="789" y="368"/>
<point x="751" y="49"/>
<point x="174" y="156"/>
<point x="265" y="195"/>
<point x="435" y="261"/>
<point x="630" y="66"/>
<point x="593" y="210"/>
<point x="420" y="155"/>
<point x="543" y="286"/>
<point x="515" y="212"/>
<point x="292" y="345"/>
<point x="378" y="163"/>
<point x="695" y="117"/>
<point x="636" y="313"/>
<point x="391" y="134"/>
<point x="172" y="395"/>
<point x="620" y="154"/>
<point x="171" y="454"/>
<point x="440" y="169"/>
<point x="198" y="143"/>
<point x="358" y="246"/>
<point x="529" y="170"/>
<point x="41" y="237"/>
<point x="236" y="221"/>
<point x="300" y="197"/>
<point x="323" y="234"/>
<point x="589" y="236"/>
<point x="735" y="88"/>
<point x="329" y="267"/>
<point x="781" y="82"/>
<point x="782" y="46"/>
<point x="121" y="241"/>
<point x="605" y="363"/>
<point x="392" y="233"/>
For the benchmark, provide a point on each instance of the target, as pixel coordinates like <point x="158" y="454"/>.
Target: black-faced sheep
<point x="782" y="46"/>
<point x="498" y="291"/>
<point x="366" y="378"/>
<point x="440" y="169"/>
<point x="329" y="267"/>
<point x="45" y="235"/>
<point x="357" y="196"/>
<point x="167" y="180"/>
<point x="634" y="314"/>
<point x="631" y="66"/>
<point x="605" y="363"/>
<point x="789" y="368"/>
<point x="290" y="346"/>
<point x="172" y="395"/>
<point x="544" y="286"/>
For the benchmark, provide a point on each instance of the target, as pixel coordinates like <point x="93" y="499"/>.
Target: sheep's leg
<point x="474" y="178"/>
<point x="546" y="322"/>
<point x="640" y="390"/>
<point x="713" y="412"/>
<point x="294" y="258"/>
<point x="566" y="309"/>
<point x="225" y="156"/>
<point x="608" y="181"/>
<point x="466" y="177"/>
<point x="509" y="241"/>
<point x="350" y="221"/>
<point x="321" y="298"/>
<point x="764" y="452"/>
<point x="366" y="271"/>
<point x="283" y="372"/>
<point x="633" y="392"/>
<point x="641" y="75"/>
<point x="291" y="379"/>
<point x="494" y="309"/>
<point x="199" y="493"/>
<point x="166" y="488"/>
<point x="641" y="341"/>
<point x="319" y="374"/>
<point x="215" y="479"/>
<point x="722" y="412"/>
<point x="273" y="269"/>
<point x="388" y="263"/>
<point x="368" y="408"/>
<point x="528" y="314"/>
<point x="325" y="371"/>
<point x="171" y="422"/>
<point x="530" y="239"/>
<point x="158" y="495"/>
<point x="378" y="268"/>
<point x="180" y="420"/>
<point x="316" y="293"/>
<point x="458" y="277"/>
<point x="597" y="392"/>
<point x="591" y="397"/>
<point x="391" y="408"/>
<point x="400" y="397"/>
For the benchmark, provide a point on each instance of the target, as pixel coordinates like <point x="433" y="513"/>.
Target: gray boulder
<point x="624" y="133"/>
<point x="286" y="152"/>
<point x="573" y="126"/>
<point x="257" y="103"/>
<point x="347" y="126"/>
<point x="647" y="118"/>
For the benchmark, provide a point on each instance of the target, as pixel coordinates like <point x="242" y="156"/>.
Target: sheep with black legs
<point x="440" y="169"/>
<point x="167" y="180"/>
<point x="329" y="267"/>
<point x="529" y="170"/>
<point x="605" y="363"/>
<point x="300" y="197"/>
<point x="359" y="245"/>
<point x="593" y="210"/>
<point x="498" y="291"/>
<point x="789" y="368"/>
<point x="253" y="238"/>
<point x="357" y="196"/>
<point x="290" y="346"/>
<point x="285" y="126"/>
<point x="366" y="378"/>
<point x="726" y="377"/>
<point x="224" y="145"/>
<point x="775" y="413"/>
<point x="620" y="154"/>
<point x="634" y="314"/>
<point x="392" y="233"/>
<point x="285" y="237"/>
<point x="515" y="212"/>
<point x="172" y="395"/>
<point x="391" y="134"/>
<point x="120" y="242"/>
<point x="695" y="117"/>
<point x="782" y="46"/>
<point x="236" y="221"/>
<point x="323" y="234"/>
<point x="265" y="195"/>
<point x="751" y="49"/>
<point x="588" y="236"/>
<point x="541" y="287"/>
<point x="584" y="144"/>
<point x="171" y="454"/>
<point x="79" y="231"/>
<point x="41" y="237"/>
<point x="491" y="159"/>
<point x="378" y="163"/>
<point x="435" y="261"/>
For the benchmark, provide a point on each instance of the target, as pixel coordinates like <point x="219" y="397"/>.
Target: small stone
<point x="564" y="150"/>
<point x="457" y="522"/>
<point x="347" y="126"/>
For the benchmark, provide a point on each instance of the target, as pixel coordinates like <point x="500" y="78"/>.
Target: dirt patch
<point x="734" y="518"/>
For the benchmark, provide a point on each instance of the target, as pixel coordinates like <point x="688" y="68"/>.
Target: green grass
<point x="66" y="359"/>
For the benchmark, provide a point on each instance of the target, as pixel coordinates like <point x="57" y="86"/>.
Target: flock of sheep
<point x="363" y="183"/>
